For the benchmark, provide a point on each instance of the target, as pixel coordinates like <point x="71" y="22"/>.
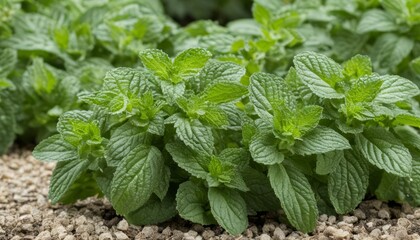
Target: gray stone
<point x="278" y="234"/>
<point x="44" y="235"/>
<point x="120" y="235"/>
<point x="350" y="219"/>
<point x="384" y="214"/>
<point x="265" y="236"/>
<point x="106" y="236"/>
<point x="123" y="225"/>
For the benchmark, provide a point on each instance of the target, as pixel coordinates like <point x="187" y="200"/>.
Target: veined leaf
<point x="64" y="175"/>
<point x="229" y="209"/>
<point x="136" y="177"/>
<point x="191" y="61"/>
<point x="319" y="73"/>
<point x="296" y="196"/>
<point x="266" y="89"/>
<point x="264" y="149"/>
<point x="384" y="151"/>
<point x="347" y="184"/>
<point x="189" y="160"/>
<point x="192" y="203"/>
<point x="223" y="92"/>
<point x="326" y="163"/>
<point x="157" y="61"/>
<point x="376" y="21"/>
<point x="321" y="140"/>
<point x="55" y="149"/>
<point x="195" y="135"/>
<point x="395" y="88"/>
<point x="358" y="66"/>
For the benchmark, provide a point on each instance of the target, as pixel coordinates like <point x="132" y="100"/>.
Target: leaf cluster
<point x="305" y="107"/>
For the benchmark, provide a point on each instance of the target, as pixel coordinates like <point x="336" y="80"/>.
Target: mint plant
<point x="186" y="136"/>
<point x="306" y="107"/>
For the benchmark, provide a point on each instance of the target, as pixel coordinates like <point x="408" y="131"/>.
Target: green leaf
<point x="85" y="186"/>
<point x="265" y="90"/>
<point x="382" y="149"/>
<point x="42" y="78"/>
<point x="77" y="129"/>
<point x="223" y="92"/>
<point x="358" y="66"/>
<point x="7" y="123"/>
<point x="190" y="61"/>
<point x="192" y="203"/>
<point x="136" y="177"/>
<point x="34" y="42"/>
<point x="126" y="81"/>
<point x="296" y="122"/>
<point x="376" y="20"/>
<point x="264" y="149"/>
<point x="408" y="135"/>
<point x="397" y="8"/>
<point x="326" y="163"/>
<point x="407" y="119"/>
<point x="296" y="196"/>
<point x="195" y="135"/>
<point x="321" y="140"/>
<point x="239" y="157"/>
<point x="157" y="61"/>
<point x="215" y="71"/>
<point x="401" y="189"/>
<point x="188" y="160"/>
<point x="390" y="50"/>
<point x="123" y="140"/>
<point x="319" y="73"/>
<point x="55" y="149"/>
<point x="365" y="89"/>
<point x="63" y="176"/>
<point x="154" y="211"/>
<point x="261" y="14"/>
<point x="395" y="89"/>
<point x="229" y="209"/>
<point x="8" y="60"/>
<point x="261" y="196"/>
<point x="347" y="184"/>
<point x="163" y="184"/>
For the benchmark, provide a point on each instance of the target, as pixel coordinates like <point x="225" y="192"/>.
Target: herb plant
<point x="306" y="107"/>
<point x="188" y="129"/>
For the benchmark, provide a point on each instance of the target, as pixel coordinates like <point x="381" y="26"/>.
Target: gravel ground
<point x="26" y="214"/>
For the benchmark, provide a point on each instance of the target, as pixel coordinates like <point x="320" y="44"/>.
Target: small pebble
<point x="386" y="227"/>
<point x="120" y="235"/>
<point x="401" y="234"/>
<point x="323" y="218"/>
<point x="359" y="214"/>
<point x="384" y="214"/>
<point x="278" y="234"/>
<point x="45" y="235"/>
<point x="148" y="231"/>
<point x="268" y="228"/>
<point x="106" y="236"/>
<point x="265" y="236"/>
<point x="332" y="219"/>
<point x="375" y="233"/>
<point x="350" y="219"/>
<point x="191" y="233"/>
<point x="336" y="233"/>
<point x="417" y="214"/>
<point x="69" y="237"/>
<point x="404" y="222"/>
<point x="122" y="225"/>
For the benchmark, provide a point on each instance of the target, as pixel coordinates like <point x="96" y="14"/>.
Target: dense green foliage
<point x="306" y="107"/>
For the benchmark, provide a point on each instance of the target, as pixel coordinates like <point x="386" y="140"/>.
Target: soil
<point x="25" y="213"/>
